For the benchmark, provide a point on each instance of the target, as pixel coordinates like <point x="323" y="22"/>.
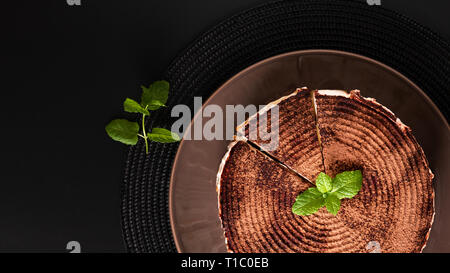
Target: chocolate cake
<point x="298" y="145"/>
<point x="257" y="189"/>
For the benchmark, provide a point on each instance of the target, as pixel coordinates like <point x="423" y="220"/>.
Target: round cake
<point x="326" y="131"/>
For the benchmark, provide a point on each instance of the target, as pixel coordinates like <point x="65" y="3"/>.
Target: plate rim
<point x="175" y="235"/>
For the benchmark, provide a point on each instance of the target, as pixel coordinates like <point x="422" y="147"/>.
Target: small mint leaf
<point x="155" y="95"/>
<point x="132" y="106"/>
<point x="347" y="184"/>
<point x="155" y="104"/>
<point x="332" y="203"/>
<point x="324" y="183"/>
<point x="162" y="135"/>
<point x="123" y="131"/>
<point x="309" y="202"/>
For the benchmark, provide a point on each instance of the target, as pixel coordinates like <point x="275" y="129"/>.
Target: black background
<point x="66" y="71"/>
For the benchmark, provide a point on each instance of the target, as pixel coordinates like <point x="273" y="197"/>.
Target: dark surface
<point x="68" y="69"/>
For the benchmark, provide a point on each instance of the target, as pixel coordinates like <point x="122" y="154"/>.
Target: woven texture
<point x="254" y="35"/>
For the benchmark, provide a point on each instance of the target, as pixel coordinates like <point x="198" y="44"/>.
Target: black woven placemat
<point x="254" y="35"/>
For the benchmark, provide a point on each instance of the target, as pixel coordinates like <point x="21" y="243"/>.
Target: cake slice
<point x="395" y="205"/>
<point x="297" y="146"/>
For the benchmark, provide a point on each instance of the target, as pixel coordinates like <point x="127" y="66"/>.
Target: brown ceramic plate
<point x="193" y="198"/>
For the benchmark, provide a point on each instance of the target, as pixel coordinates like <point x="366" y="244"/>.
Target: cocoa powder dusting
<point x="394" y="207"/>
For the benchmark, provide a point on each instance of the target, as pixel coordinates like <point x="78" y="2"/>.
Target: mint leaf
<point x="155" y="95"/>
<point x="347" y="184"/>
<point x="324" y="183"/>
<point x="132" y="106"/>
<point x="162" y="135"/>
<point x="123" y="131"/>
<point x="309" y="202"/>
<point x="155" y="104"/>
<point x="332" y="203"/>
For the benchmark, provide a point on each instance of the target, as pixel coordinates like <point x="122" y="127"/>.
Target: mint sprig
<point x="153" y="97"/>
<point x="328" y="192"/>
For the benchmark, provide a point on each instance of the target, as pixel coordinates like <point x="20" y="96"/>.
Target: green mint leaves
<point x="127" y="132"/>
<point x="332" y="203"/>
<point x="163" y="136"/>
<point x="123" y="131"/>
<point x="155" y="95"/>
<point x="324" y="183"/>
<point x="309" y="202"/>
<point x="328" y="192"/>
<point x="347" y="184"/>
<point x="132" y="106"/>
